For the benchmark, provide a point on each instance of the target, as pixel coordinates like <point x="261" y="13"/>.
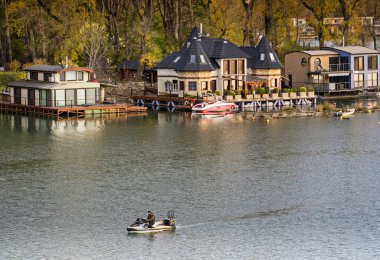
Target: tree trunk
<point x="247" y="30"/>
<point x="32" y="44"/>
<point x="7" y="37"/>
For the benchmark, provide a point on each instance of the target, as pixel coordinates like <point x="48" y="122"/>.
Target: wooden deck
<point x="76" y="111"/>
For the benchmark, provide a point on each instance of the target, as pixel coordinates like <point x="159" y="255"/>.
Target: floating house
<point x="215" y="64"/>
<point x="56" y="86"/>
<point x="349" y="69"/>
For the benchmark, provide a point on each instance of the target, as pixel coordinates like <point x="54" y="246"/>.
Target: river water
<point x="295" y="188"/>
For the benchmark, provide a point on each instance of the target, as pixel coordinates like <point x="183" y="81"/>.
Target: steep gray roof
<point x="194" y="58"/>
<point x="197" y="45"/>
<point x="46" y="68"/>
<point x="262" y="56"/>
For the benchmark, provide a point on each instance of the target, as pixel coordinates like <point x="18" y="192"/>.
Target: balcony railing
<point x="340" y="67"/>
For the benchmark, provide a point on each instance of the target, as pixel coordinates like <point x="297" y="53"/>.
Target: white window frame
<point x="192" y="58"/>
<point x="372" y="79"/>
<point x="272" y="56"/>
<point x="202" y="57"/>
<point x="262" y="56"/>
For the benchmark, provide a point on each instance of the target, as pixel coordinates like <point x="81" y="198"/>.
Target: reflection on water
<point x="295" y="188"/>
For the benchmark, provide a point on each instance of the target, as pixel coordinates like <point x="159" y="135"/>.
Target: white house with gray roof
<point x="55" y="86"/>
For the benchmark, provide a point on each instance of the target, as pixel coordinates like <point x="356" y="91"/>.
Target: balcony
<point x="339" y="67"/>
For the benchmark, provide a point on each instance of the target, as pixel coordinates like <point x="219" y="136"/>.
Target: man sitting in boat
<point x="150" y="219"/>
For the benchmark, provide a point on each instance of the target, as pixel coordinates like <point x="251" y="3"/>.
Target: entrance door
<point x="290" y="76"/>
<point x="31" y="97"/>
<point x="213" y="85"/>
<point x="17" y="96"/>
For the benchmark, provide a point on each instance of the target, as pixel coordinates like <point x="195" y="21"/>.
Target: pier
<point x="185" y="103"/>
<point x="73" y="111"/>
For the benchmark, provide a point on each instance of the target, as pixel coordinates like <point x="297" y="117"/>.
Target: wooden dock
<point x="181" y="103"/>
<point x="73" y="111"/>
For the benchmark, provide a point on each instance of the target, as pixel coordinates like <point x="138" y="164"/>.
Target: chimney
<point x="67" y="62"/>
<point x="342" y="41"/>
<point x="200" y="29"/>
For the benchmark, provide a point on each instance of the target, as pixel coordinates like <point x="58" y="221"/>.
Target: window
<point x="359" y="63"/>
<point x="271" y="56"/>
<point x="273" y="83"/>
<point x="192" y="86"/>
<point x="176" y="59"/>
<point x="71" y="75"/>
<point x="63" y="76"/>
<point x="182" y="85"/>
<point x="372" y="79"/>
<point x="359" y="80"/>
<point x="372" y="62"/>
<point x="204" y="85"/>
<point x="233" y="64"/>
<point x="303" y="62"/>
<point x="202" y="58"/>
<point x="262" y="56"/>
<point x="47" y="76"/>
<point x="90" y="96"/>
<point x="226" y="67"/>
<point x="192" y="59"/>
<point x="70" y="97"/>
<point x="241" y="66"/>
<point x="33" y="75"/>
<point x="80" y="75"/>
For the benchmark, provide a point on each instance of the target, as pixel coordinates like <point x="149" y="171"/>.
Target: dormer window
<point x="271" y="56"/>
<point x="202" y="58"/>
<point x="262" y="56"/>
<point x="176" y="59"/>
<point x="188" y="44"/>
<point x="192" y="59"/>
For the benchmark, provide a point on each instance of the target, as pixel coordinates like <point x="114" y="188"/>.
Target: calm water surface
<point x="299" y="188"/>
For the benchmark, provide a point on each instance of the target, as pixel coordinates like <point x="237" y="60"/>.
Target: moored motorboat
<point x="348" y="113"/>
<point x="219" y="106"/>
<point x="140" y="226"/>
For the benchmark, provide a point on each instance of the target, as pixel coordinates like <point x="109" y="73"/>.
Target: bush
<point x="310" y="88"/>
<point x="302" y="89"/>
<point x="275" y="90"/>
<point x="260" y="91"/>
<point x="6" y="77"/>
<point x="217" y="92"/>
<point x="237" y="92"/>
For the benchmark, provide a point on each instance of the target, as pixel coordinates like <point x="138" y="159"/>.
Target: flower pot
<point x="274" y="95"/>
<point x="292" y="94"/>
<point x="237" y="97"/>
<point x="266" y="96"/>
<point x="250" y="97"/>
<point x="310" y="94"/>
<point x="285" y="94"/>
<point x="302" y="94"/>
<point x="256" y="96"/>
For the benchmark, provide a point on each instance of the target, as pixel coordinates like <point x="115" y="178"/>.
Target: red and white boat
<point x="218" y="106"/>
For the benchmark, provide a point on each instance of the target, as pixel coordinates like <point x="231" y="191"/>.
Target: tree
<point x="347" y="7"/>
<point x="4" y="22"/>
<point x="248" y="37"/>
<point x="320" y="10"/>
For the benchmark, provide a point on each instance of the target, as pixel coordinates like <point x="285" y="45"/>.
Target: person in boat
<point x="150" y="219"/>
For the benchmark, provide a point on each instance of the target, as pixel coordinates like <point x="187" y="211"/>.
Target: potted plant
<point x="259" y="92"/>
<point x="292" y="92"/>
<point x="310" y="92"/>
<point x="237" y="95"/>
<point x="302" y="91"/>
<point x="285" y="93"/>
<point x="275" y="93"/>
